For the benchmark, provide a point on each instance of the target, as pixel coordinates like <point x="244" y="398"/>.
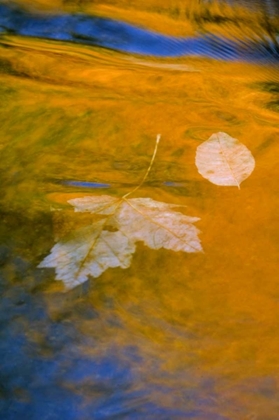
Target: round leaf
<point x="223" y="160"/>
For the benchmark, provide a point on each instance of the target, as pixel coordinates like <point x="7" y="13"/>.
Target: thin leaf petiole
<point x="149" y="168"/>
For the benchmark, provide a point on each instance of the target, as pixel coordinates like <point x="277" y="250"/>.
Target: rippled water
<point x="175" y="335"/>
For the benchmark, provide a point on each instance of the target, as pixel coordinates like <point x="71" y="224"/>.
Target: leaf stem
<point x="149" y="168"/>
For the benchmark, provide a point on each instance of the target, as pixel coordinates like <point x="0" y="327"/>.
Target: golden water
<point x="202" y="322"/>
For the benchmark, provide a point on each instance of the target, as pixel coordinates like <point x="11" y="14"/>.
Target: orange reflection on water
<point x="76" y="113"/>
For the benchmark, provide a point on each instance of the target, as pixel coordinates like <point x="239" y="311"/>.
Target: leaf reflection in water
<point x="111" y="241"/>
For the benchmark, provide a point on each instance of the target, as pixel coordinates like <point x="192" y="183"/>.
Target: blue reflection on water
<point x="50" y="370"/>
<point x="86" y="184"/>
<point x="127" y="38"/>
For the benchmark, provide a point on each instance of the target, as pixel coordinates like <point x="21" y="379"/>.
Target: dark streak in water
<point x="101" y="185"/>
<point x="85" y="184"/>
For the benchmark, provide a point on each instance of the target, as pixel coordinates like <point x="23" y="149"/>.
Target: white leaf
<point x="143" y="219"/>
<point x="89" y="251"/>
<point x="157" y="225"/>
<point x="111" y="241"/>
<point x="223" y="160"/>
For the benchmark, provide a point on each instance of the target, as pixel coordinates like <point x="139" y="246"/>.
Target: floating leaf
<point x="88" y="251"/>
<point x="110" y="242"/>
<point x="223" y="160"/>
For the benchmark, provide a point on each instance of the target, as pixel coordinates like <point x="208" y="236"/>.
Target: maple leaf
<point x="111" y="241"/>
<point x="92" y="250"/>
<point x="143" y="219"/>
<point x="88" y="252"/>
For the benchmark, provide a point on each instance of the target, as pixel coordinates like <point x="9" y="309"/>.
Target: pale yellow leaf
<point x="223" y="160"/>
<point x="111" y="241"/>
<point x="88" y="252"/>
<point x="142" y="219"/>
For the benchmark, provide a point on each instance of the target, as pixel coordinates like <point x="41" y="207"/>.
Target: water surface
<point x="176" y="335"/>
